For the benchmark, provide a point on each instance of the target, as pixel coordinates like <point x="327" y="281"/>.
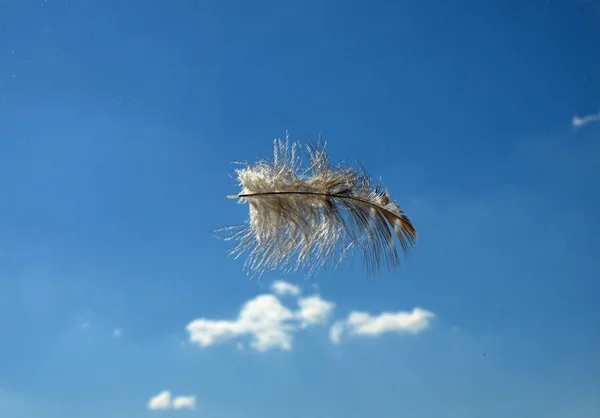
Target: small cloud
<point x="578" y="122"/>
<point x="240" y="346"/>
<point x="84" y="325"/>
<point x="164" y="401"/>
<point x="314" y="311"/>
<point x="335" y="332"/>
<point x="269" y="323"/>
<point x="365" y="324"/>
<point x="263" y="317"/>
<point x="117" y="332"/>
<point x="160" y="401"/>
<point x="281" y="288"/>
<point x="184" y="402"/>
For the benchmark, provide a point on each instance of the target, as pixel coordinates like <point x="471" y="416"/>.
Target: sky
<point x="119" y="122"/>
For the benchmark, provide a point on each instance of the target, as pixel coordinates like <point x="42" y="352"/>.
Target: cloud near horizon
<point x="271" y="325"/>
<point x="164" y="400"/>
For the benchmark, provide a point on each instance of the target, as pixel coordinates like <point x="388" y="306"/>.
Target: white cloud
<point x="160" y="401"/>
<point x="281" y="288"/>
<point x="265" y="319"/>
<point x="271" y="325"/>
<point x="313" y="311"/>
<point x="117" y="332"/>
<point x="336" y="331"/>
<point x="184" y="402"/>
<point x="579" y="122"/>
<point x="164" y="401"/>
<point x="365" y="324"/>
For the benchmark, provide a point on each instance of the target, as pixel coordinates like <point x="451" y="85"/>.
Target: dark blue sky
<point x="118" y="124"/>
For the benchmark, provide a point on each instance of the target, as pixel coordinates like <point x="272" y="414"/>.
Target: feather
<point x="302" y="217"/>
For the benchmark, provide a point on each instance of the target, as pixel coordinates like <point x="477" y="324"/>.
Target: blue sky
<point x="118" y="124"/>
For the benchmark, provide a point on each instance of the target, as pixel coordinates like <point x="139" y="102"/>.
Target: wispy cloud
<point x="365" y="324"/>
<point x="269" y="323"/>
<point x="578" y="122"/>
<point x="336" y="331"/>
<point x="164" y="400"/>
<point x="84" y="325"/>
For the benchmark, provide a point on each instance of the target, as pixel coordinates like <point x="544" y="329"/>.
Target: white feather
<point x="301" y="218"/>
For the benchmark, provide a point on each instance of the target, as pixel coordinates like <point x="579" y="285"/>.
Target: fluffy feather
<point x="301" y="218"/>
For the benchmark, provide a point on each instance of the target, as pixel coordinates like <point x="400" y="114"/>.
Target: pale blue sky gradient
<point x="118" y="124"/>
